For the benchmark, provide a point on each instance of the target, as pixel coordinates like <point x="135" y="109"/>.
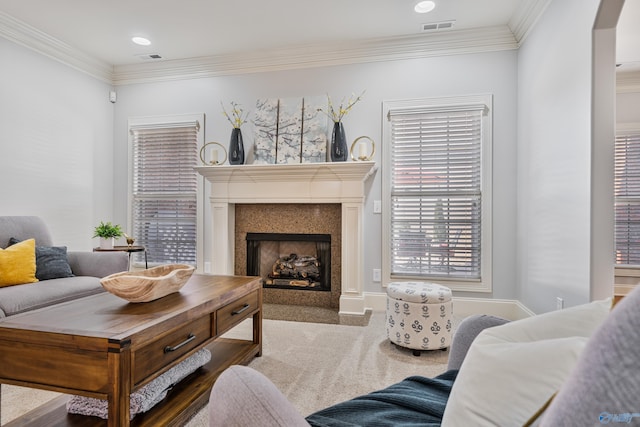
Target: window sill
<point x="626" y="279"/>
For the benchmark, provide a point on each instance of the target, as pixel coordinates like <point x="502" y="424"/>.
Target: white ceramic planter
<point x="106" y="243"/>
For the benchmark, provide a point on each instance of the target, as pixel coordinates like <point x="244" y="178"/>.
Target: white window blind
<point x="627" y="199"/>
<point x="165" y="190"/>
<point x="436" y="192"/>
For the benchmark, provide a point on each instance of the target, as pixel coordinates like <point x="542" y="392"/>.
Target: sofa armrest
<point x="242" y="396"/>
<point x="98" y="264"/>
<point x="465" y="333"/>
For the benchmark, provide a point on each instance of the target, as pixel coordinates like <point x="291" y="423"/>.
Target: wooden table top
<point x="109" y="317"/>
<point x="126" y="248"/>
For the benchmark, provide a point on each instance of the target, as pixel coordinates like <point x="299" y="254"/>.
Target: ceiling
<point x="204" y="28"/>
<point x="197" y="28"/>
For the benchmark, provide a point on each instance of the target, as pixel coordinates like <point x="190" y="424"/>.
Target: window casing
<point x="165" y="204"/>
<point x="627" y="196"/>
<point x="436" y="186"/>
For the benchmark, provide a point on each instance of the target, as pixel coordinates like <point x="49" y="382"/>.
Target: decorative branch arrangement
<point x="238" y="117"/>
<point x="343" y="109"/>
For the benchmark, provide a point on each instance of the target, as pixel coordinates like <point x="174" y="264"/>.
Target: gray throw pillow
<point x="604" y="386"/>
<point x="51" y="261"/>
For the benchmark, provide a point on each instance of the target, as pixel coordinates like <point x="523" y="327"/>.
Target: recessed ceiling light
<point x="424" y="7"/>
<point x="141" y="41"/>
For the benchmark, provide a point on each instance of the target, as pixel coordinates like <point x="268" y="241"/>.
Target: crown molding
<point x="525" y="17"/>
<point x="450" y="42"/>
<point x="34" y="39"/>
<point x="308" y="56"/>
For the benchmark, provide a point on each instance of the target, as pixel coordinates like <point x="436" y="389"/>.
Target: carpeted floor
<point x="314" y="364"/>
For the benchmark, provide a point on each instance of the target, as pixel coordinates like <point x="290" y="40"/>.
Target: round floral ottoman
<point x="419" y="315"/>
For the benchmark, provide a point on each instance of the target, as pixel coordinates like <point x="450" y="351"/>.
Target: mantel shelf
<point x="300" y="172"/>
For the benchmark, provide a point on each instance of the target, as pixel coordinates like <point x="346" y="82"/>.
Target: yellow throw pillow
<point x="18" y="263"/>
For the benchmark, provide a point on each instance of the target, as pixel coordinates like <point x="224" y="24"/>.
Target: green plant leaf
<point x="107" y="230"/>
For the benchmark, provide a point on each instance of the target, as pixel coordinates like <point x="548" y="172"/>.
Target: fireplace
<point x="341" y="183"/>
<point x="286" y="224"/>
<point x="290" y="260"/>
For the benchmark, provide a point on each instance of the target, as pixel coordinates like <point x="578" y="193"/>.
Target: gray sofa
<point x="87" y="269"/>
<point x="518" y="371"/>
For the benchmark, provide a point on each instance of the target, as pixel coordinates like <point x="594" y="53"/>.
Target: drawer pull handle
<point x="169" y="349"/>
<point x="244" y="308"/>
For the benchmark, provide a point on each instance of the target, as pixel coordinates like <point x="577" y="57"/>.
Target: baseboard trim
<point x="464" y="307"/>
<point x="352" y="305"/>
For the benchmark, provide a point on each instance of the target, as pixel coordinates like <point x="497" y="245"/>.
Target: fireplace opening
<point x="290" y="261"/>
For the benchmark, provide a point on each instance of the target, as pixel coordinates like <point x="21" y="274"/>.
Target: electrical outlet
<point x="207" y="267"/>
<point x="377" y="275"/>
<point x="377" y="206"/>
<point x="559" y="303"/>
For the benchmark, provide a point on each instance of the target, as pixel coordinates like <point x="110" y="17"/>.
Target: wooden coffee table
<point x="104" y="347"/>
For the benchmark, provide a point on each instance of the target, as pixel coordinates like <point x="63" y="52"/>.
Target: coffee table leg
<point x="119" y="360"/>
<point x="257" y="325"/>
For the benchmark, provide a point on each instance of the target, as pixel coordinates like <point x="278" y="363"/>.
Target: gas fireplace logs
<point x="294" y="270"/>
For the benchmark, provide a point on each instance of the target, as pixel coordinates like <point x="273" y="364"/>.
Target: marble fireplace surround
<point x="330" y="182"/>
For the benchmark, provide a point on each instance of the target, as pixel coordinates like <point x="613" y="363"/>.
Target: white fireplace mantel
<point x="330" y="182"/>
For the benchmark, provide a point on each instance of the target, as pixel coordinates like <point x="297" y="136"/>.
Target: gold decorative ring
<point x="215" y="161"/>
<point x="360" y="142"/>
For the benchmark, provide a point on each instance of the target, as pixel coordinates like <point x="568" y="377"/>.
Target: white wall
<point x="56" y="149"/>
<point x="554" y="156"/>
<point x="493" y="73"/>
<point x="628" y="108"/>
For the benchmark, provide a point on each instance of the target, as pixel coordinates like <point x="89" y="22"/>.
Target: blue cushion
<point x="51" y="261"/>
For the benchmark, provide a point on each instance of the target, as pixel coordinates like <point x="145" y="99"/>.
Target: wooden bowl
<point x="150" y="284"/>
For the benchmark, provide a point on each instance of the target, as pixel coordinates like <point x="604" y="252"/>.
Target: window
<point x="437" y="186"/>
<point x="164" y="187"/>
<point x="627" y="196"/>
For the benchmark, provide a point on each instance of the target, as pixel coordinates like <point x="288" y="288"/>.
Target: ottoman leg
<point x="416" y="353"/>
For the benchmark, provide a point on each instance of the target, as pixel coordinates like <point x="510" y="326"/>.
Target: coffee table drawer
<point x="158" y="354"/>
<point x="232" y="314"/>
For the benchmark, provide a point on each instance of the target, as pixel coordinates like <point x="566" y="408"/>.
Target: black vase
<point x="338" y="143"/>
<point x="236" y="148"/>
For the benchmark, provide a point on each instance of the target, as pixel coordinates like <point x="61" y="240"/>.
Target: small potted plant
<point x="107" y="233"/>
